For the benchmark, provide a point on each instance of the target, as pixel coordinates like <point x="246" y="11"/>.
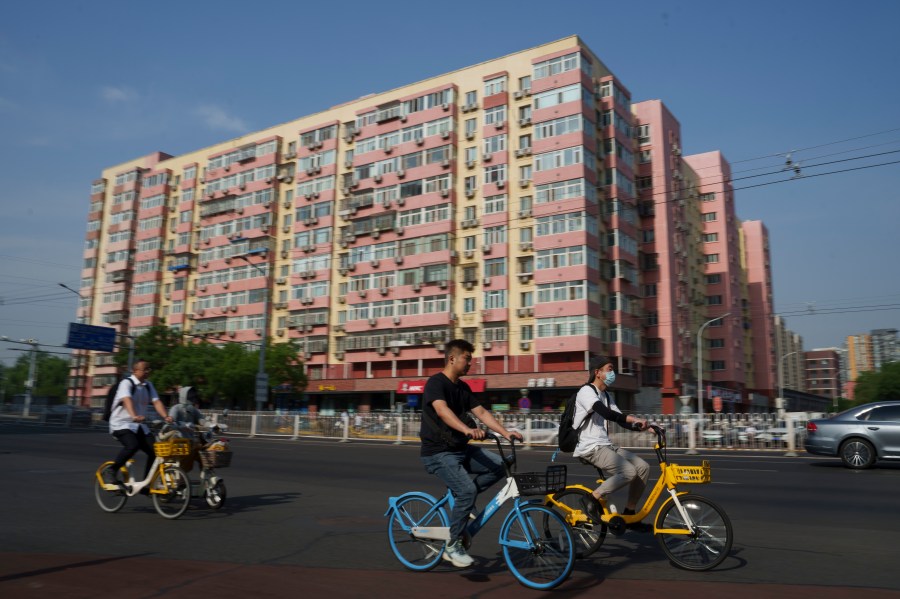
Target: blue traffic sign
<point x="87" y="336"/>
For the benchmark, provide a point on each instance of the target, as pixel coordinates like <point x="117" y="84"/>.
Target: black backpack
<point x="111" y="397"/>
<point x="568" y="435"/>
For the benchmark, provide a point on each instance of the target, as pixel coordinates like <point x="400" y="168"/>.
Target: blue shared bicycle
<point x="536" y="541"/>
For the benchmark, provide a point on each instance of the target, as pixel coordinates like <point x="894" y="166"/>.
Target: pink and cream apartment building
<point x="497" y="203"/>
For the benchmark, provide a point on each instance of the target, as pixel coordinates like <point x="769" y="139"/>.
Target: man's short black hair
<point x="457" y="344"/>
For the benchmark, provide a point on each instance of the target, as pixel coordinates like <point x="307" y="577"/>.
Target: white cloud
<point x="218" y="119"/>
<point x="118" y="94"/>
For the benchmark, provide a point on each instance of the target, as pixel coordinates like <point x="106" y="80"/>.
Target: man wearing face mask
<point x="620" y="467"/>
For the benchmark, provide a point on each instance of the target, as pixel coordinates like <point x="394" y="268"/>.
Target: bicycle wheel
<point x="109" y="501"/>
<point x="175" y="500"/>
<point x="537" y="546"/>
<point x="587" y="535"/>
<point x="415" y="554"/>
<point x="215" y="496"/>
<point x="711" y="540"/>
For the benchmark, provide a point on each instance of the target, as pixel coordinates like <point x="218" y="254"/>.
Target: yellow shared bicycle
<point x="694" y="532"/>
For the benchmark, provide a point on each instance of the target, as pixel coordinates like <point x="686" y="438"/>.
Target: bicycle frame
<point x="668" y="479"/>
<point x="442" y="533"/>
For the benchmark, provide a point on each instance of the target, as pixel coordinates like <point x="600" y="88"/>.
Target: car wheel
<point x="857" y="454"/>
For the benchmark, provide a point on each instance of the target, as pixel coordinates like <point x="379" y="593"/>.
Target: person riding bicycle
<point x="446" y="452"/>
<point x="126" y="421"/>
<point x="186" y="414"/>
<point x="594" y="404"/>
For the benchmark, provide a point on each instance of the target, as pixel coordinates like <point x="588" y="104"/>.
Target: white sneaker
<point x="456" y="555"/>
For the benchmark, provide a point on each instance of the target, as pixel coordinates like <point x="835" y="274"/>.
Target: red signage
<point x="717" y="403"/>
<point x="418" y="387"/>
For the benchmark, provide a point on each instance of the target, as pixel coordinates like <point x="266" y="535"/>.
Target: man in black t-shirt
<point x="446" y="453"/>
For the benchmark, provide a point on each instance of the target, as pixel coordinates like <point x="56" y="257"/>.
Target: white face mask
<point x="609" y="378"/>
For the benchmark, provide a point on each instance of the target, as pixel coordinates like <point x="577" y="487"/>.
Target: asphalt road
<point x="308" y="517"/>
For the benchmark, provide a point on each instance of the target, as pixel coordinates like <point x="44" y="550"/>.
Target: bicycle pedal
<point x="617" y="525"/>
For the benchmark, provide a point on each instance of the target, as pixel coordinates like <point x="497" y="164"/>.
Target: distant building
<point x="522" y="203"/>
<point x="823" y="372"/>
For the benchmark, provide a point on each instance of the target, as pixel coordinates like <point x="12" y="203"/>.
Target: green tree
<point x="51" y="377"/>
<point x="224" y="373"/>
<point x="878" y="386"/>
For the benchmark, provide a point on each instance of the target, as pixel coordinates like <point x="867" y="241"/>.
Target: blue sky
<point x="86" y="85"/>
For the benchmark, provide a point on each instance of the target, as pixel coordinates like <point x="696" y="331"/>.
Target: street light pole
<point x="77" y="357"/>
<point x="700" y="361"/>
<point x="781" y="377"/>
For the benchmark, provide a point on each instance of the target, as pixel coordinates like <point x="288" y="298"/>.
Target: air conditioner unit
<point x="469" y="253"/>
<point x="232" y="333"/>
<point x="442" y="284"/>
<point x="518" y="95"/>
<point x="524" y="122"/>
<point x="225" y="285"/>
<point x="486" y="249"/>
<point x="501" y="183"/>
<point x="374" y="263"/>
<point x="486" y="282"/>
<point x="401" y="173"/>
<point x="530" y="311"/>
<point x="499" y="124"/>
<point x="383" y="291"/>
<point x="377" y="178"/>
<point x="342" y="299"/>
<point x="339" y="355"/>
<point x="363" y="293"/>
<point x="381" y="351"/>
<point x="487" y="345"/>
<point x="470" y="193"/>
<point x="470" y="135"/>
<point x="417" y="287"/>
<point x="420" y="141"/>
<point x="398" y="231"/>
<point x="281" y="281"/>
<point x="525" y="345"/>
<point x="373" y="322"/>
<point x="524" y="277"/>
<point x="445" y="193"/>
<point x="520" y="312"/>
<point x="468" y="284"/>
<point x="524" y="183"/>
<point x="486" y="158"/>
<point x="526" y="213"/>
<point x="307" y="328"/>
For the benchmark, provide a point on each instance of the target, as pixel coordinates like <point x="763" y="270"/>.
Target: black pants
<point x="131" y="443"/>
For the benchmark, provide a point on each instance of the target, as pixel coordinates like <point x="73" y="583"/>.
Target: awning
<point x="418" y="387"/>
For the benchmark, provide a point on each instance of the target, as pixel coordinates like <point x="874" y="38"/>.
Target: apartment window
<point x="652" y="346"/>
<point x="471" y="126"/>
<point x="496" y="298"/>
<point x="495" y="204"/>
<point x="524" y="141"/>
<point x="495" y="174"/>
<point x="717" y="365"/>
<point x="707" y="197"/>
<point x="716" y="343"/>
<point x="495" y="143"/>
<point x="643" y="134"/>
<point x="495" y="267"/>
<point x="525" y="82"/>
<point x="645" y="156"/>
<point x="652" y="318"/>
<point x="708" y="217"/>
<point x="497" y="85"/>
<point x="648" y="290"/>
<point x="713" y="300"/>
<point x="525" y="173"/>
<point x="468" y="305"/>
<point x="710" y="237"/>
<point x="711" y="258"/>
<point x="713" y="279"/>
<point x="471" y="97"/>
<point x="527" y="332"/>
<point x="494" y="115"/>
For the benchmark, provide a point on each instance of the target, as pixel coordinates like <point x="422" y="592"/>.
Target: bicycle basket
<point x="542" y="483"/>
<point x="172" y="448"/>
<point x="692" y="474"/>
<point x="215" y="459"/>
